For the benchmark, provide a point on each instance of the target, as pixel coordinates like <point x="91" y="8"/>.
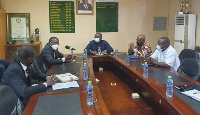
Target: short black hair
<point x="25" y="52"/>
<point x="52" y="39"/>
<point x="166" y="40"/>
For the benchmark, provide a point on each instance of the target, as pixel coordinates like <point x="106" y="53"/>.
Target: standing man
<point x="165" y="55"/>
<point x="142" y="49"/>
<point x="85" y="5"/>
<point x="93" y="46"/>
<point x="51" y="55"/>
<point x="19" y="74"/>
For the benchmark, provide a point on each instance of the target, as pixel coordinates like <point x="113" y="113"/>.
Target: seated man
<point x="142" y="49"/>
<point x="51" y="55"/>
<point x="197" y="48"/>
<point x="93" y="46"/>
<point x="165" y="55"/>
<point x="19" y="74"/>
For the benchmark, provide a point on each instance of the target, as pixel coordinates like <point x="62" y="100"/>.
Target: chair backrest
<point x="39" y="64"/>
<point x="188" y="53"/>
<point x="8" y="100"/>
<point x="2" y="69"/>
<point x="190" y="68"/>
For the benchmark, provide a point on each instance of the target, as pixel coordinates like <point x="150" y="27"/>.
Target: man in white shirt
<point x="165" y="55"/>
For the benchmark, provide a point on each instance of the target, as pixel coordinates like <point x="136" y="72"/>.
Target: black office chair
<point x="190" y="68"/>
<point x="8" y="100"/>
<point x="39" y="64"/>
<point x="188" y="53"/>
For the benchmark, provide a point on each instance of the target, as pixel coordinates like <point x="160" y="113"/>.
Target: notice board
<point x="107" y="16"/>
<point x="61" y="16"/>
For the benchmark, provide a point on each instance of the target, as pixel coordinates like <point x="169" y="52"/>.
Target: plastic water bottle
<point x="99" y="51"/>
<point x="116" y="53"/>
<point x="90" y="98"/>
<point x="85" y="52"/>
<point x="84" y="59"/>
<point x="127" y="60"/>
<point x="169" y="87"/>
<point x="25" y="40"/>
<point x="85" y="72"/>
<point x="145" y="70"/>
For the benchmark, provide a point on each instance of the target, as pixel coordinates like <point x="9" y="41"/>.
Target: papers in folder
<point x="65" y="85"/>
<point x="195" y="94"/>
<point x="66" y="77"/>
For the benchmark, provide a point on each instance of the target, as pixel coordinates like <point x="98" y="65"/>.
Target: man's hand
<point x="103" y="52"/>
<point x="94" y="52"/>
<point x="51" y="80"/>
<point x="68" y="56"/>
<point x="131" y="45"/>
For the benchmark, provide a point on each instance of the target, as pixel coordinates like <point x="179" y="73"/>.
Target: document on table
<point x="66" y="77"/>
<point x="195" y="94"/>
<point x="65" y="85"/>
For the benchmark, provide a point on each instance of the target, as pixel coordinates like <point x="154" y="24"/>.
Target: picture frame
<point x="18" y="27"/>
<point x="84" y="7"/>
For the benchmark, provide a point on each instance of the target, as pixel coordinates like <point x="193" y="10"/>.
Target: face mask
<point x="96" y="40"/>
<point x="55" y="47"/>
<point x="158" y="48"/>
<point x="140" y="44"/>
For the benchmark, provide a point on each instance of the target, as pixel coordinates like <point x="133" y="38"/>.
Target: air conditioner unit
<point x="185" y="29"/>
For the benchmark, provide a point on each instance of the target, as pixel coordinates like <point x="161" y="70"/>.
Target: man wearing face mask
<point x="165" y="55"/>
<point x="51" y="55"/>
<point x="19" y="74"/>
<point x="92" y="47"/>
<point x="142" y="49"/>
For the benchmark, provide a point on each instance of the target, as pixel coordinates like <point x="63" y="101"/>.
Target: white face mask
<point x="55" y="47"/>
<point x="158" y="48"/>
<point x="96" y="40"/>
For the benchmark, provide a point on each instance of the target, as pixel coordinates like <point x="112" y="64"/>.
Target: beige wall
<point x="135" y="17"/>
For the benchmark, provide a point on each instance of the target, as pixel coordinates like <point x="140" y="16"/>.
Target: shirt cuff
<point x="63" y="59"/>
<point x="45" y="84"/>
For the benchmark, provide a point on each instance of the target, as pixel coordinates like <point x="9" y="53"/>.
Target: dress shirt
<point x="104" y="45"/>
<point x="169" y="56"/>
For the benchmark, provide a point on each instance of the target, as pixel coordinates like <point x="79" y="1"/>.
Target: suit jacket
<point x="81" y="7"/>
<point x="15" y="77"/>
<point x="48" y="56"/>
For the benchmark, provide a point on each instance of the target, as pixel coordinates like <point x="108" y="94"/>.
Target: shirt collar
<point x="23" y="66"/>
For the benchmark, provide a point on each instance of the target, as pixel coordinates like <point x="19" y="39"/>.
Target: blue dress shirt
<point x="104" y="45"/>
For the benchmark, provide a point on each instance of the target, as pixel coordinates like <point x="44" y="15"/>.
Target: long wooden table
<point x="129" y="79"/>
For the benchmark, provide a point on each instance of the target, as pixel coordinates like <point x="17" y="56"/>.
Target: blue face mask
<point x="158" y="48"/>
<point x="96" y="40"/>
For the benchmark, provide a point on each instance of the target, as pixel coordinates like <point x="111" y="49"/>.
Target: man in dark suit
<point x="19" y="74"/>
<point x="51" y="55"/>
<point x="84" y="6"/>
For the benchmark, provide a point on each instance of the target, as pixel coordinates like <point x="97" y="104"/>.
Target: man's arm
<point x="89" y="47"/>
<point x="162" y="64"/>
<point x="108" y="47"/>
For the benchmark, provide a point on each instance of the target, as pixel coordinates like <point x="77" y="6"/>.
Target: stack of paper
<point x="195" y="94"/>
<point x="65" y="85"/>
<point x="66" y="77"/>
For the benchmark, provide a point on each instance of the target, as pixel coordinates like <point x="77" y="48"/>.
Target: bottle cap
<point x="89" y="82"/>
<point x="169" y="77"/>
<point x="84" y="63"/>
<point x="145" y="62"/>
<point x="84" y="54"/>
<point x="127" y="53"/>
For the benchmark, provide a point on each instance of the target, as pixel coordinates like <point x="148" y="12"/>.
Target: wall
<point x="135" y="17"/>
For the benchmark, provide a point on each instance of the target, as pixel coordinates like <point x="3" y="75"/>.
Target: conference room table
<point x="113" y="92"/>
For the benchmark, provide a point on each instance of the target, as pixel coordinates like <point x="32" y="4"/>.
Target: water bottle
<point x="25" y="40"/>
<point x="84" y="59"/>
<point x="90" y="98"/>
<point x="127" y="60"/>
<point x="85" y="52"/>
<point x="116" y="53"/>
<point x="99" y="51"/>
<point x="169" y="87"/>
<point x="85" y="72"/>
<point x="145" y="70"/>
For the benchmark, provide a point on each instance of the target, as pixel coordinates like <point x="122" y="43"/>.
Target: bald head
<point x="141" y="37"/>
<point x="25" y="52"/>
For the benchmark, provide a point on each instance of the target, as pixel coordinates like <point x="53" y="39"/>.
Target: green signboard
<point x="106" y="16"/>
<point x="61" y="16"/>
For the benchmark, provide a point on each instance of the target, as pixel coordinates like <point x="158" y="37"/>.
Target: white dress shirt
<point x="169" y="56"/>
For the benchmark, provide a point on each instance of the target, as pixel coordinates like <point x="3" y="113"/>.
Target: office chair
<point x="39" y="64"/>
<point x="190" y="68"/>
<point x="188" y="53"/>
<point x="8" y="100"/>
<point x="3" y="66"/>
